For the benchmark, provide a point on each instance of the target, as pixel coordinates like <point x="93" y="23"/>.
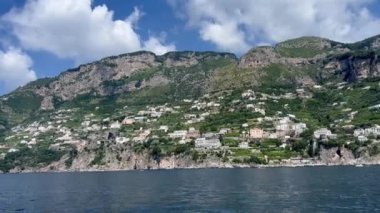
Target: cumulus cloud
<point x="15" y="69"/>
<point x="239" y="24"/>
<point x="76" y="30"/>
<point x="154" y="44"/>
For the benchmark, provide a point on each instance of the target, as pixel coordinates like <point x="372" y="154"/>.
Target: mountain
<point x="325" y="80"/>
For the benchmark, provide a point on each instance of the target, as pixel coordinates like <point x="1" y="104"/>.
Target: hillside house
<point x="122" y="140"/>
<point x="210" y="135"/>
<point x="324" y="134"/>
<point x="247" y="94"/>
<point x="375" y="131"/>
<point x="256" y="133"/>
<point x="212" y="143"/>
<point x="193" y="133"/>
<point x="164" y="128"/>
<point x="190" y="116"/>
<point x="244" y="145"/>
<point x="299" y="128"/>
<point x="128" y="121"/>
<point x="178" y="134"/>
<point x="155" y="114"/>
<point x="224" y="131"/>
<point x="139" y="119"/>
<point x="362" y="138"/>
<point x="115" y="125"/>
<point x="271" y="135"/>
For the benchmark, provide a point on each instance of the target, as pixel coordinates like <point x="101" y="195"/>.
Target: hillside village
<point x="305" y="101"/>
<point x="238" y="128"/>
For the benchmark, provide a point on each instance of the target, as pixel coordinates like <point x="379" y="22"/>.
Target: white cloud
<point x="154" y="45"/>
<point x="15" y="69"/>
<point x="227" y="36"/>
<point x="73" y="29"/>
<point x="237" y="25"/>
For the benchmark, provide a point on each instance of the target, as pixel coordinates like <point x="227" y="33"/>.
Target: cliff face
<point x="319" y="60"/>
<point x="117" y="159"/>
<point x="185" y="73"/>
<point x="353" y="68"/>
<point x="91" y="77"/>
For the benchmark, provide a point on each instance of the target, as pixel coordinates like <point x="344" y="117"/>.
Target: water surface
<point x="309" y="189"/>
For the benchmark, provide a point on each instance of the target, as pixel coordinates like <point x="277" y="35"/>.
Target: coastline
<point x="220" y="166"/>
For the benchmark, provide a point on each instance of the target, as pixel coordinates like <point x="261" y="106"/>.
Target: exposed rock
<point x="259" y="57"/>
<point x="47" y="103"/>
<point x="336" y="156"/>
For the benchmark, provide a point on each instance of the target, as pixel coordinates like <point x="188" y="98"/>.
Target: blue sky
<point x="41" y="38"/>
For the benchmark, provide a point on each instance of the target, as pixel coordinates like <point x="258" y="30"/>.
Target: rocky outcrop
<point x="47" y="103"/>
<point x="90" y="77"/>
<point x="336" y="156"/>
<point x="259" y="57"/>
<point x="353" y="68"/>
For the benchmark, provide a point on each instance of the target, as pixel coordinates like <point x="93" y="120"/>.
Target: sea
<point x="303" y="189"/>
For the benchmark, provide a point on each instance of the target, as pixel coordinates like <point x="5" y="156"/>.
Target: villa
<point x="256" y="133"/>
<point x="204" y="143"/>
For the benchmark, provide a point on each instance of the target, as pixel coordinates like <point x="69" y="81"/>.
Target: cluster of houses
<point x="363" y="134"/>
<point x="284" y="128"/>
<point x="137" y="127"/>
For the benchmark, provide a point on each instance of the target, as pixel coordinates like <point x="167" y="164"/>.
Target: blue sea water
<point x="308" y="189"/>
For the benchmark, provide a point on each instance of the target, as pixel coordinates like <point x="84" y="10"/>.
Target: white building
<point x="164" y="128"/>
<point x="247" y="94"/>
<point x="362" y="138"/>
<point x="178" y="134"/>
<point x="244" y="145"/>
<point x="115" y="125"/>
<point x="299" y="128"/>
<point x="12" y="150"/>
<point x="375" y="131"/>
<point x="324" y="134"/>
<point x="128" y="121"/>
<point x="204" y="143"/>
<point x="122" y="140"/>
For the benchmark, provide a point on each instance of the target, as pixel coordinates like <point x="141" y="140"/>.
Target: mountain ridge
<point x="125" y="111"/>
<point x="260" y="65"/>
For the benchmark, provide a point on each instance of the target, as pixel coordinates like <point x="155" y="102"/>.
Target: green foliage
<point x="374" y="150"/>
<point x="99" y="155"/>
<point x="331" y="143"/>
<point x="181" y="148"/>
<point x="146" y="96"/>
<point x="73" y="153"/>
<point x="24" y="102"/>
<point x="227" y="119"/>
<point x="279" y="154"/>
<point x="195" y="156"/>
<point x="299" y="146"/>
<point x="367" y="43"/>
<point x="156" y="152"/>
<point x="108" y="64"/>
<point x="25" y="157"/>
<point x="230" y="142"/>
<point x="271" y="142"/>
<point x="241" y="152"/>
<point x="278" y="76"/>
<point x="255" y="160"/>
<point x="232" y="134"/>
<point x="42" y="82"/>
<point x="304" y="47"/>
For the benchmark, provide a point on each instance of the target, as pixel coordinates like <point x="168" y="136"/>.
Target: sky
<point x="42" y="38"/>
